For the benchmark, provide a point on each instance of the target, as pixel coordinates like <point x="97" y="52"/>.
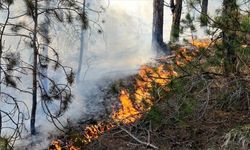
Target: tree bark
<point x="176" y="20"/>
<point x="157" y="32"/>
<point x="203" y="17"/>
<point x="229" y="34"/>
<point x="34" y="88"/>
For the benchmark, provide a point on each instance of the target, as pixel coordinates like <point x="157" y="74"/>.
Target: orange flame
<point x="94" y="131"/>
<point x="132" y="109"/>
<point x="128" y="113"/>
<point x="58" y="145"/>
<point x="91" y="133"/>
<point x="148" y="77"/>
<point x="185" y="55"/>
<point x="201" y="43"/>
<point x="133" y="105"/>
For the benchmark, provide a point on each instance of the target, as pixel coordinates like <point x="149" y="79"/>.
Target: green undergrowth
<point x="205" y="108"/>
<point x="209" y="108"/>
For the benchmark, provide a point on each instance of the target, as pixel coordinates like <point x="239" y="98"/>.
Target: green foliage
<point x="231" y="29"/>
<point x="175" y="32"/>
<point x="187" y="108"/>
<point x="155" y="116"/>
<point x="4" y="144"/>
<point x="204" y="20"/>
<point x="213" y="62"/>
<point x="184" y="100"/>
<point x="177" y="85"/>
<point x="188" y="23"/>
<point x="245" y="23"/>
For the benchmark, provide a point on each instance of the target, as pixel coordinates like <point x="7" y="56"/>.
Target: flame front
<point x="140" y="101"/>
<point x="135" y="104"/>
<point x="58" y="145"/>
<point x="128" y="113"/>
<point x="94" y="131"/>
<point x="149" y="77"/>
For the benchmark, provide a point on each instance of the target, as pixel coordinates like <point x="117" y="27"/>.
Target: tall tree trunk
<point x="203" y="17"/>
<point x="81" y="47"/>
<point x="34" y="88"/>
<point x="176" y="10"/>
<point x="44" y="63"/>
<point x="157" y="32"/>
<point x="230" y="16"/>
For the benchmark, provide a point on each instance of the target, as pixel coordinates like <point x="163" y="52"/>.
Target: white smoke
<point x="119" y="50"/>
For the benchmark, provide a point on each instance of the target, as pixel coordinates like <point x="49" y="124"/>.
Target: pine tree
<point x="62" y="11"/>
<point x="157" y="31"/>
<point x="230" y="15"/>
<point x="176" y="8"/>
<point x="203" y="16"/>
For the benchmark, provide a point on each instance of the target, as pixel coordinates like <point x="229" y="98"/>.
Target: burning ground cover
<point x="134" y="102"/>
<point x="137" y="96"/>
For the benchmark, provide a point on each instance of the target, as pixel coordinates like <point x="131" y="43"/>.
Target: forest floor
<point x="220" y="125"/>
<point x="200" y="108"/>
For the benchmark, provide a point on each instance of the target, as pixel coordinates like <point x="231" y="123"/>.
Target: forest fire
<point x="128" y="113"/>
<point x="185" y="55"/>
<point x="91" y="133"/>
<point x="94" y="131"/>
<point x="57" y="145"/>
<point x="201" y="43"/>
<point x="141" y="100"/>
<point x="135" y="102"/>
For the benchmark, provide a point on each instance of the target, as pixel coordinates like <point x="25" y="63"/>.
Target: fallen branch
<point x="138" y="140"/>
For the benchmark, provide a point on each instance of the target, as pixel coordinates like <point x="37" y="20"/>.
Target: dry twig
<point x="138" y="140"/>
